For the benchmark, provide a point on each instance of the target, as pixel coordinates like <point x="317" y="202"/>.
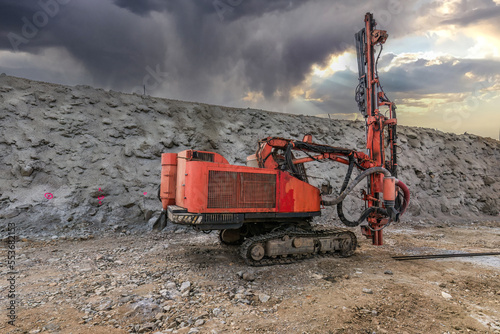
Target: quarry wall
<point x="97" y="153"/>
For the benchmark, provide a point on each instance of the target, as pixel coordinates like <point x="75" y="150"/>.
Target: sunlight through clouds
<point x="440" y="63"/>
<point x="451" y="90"/>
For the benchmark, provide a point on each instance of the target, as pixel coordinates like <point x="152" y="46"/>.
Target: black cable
<point x="376" y="72"/>
<point x="359" y="93"/>
<point x="371" y="210"/>
<point x="359" y="96"/>
<point x="289" y="162"/>
<point x="359" y="166"/>
<point x="399" y="201"/>
<point x="376" y="63"/>
<point x="310" y="156"/>
<point x="340" y="211"/>
<point x="328" y="201"/>
<point x="380" y="229"/>
<point x="317" y="148"/>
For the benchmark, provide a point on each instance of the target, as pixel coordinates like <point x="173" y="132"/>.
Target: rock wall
<point x="72" y="141"/>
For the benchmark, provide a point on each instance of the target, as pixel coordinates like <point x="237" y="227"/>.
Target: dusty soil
<point x="185" y="282"/>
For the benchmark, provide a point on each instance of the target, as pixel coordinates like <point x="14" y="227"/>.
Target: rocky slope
<point x="80" y="143"/>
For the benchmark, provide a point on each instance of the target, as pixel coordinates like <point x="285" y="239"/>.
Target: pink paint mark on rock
<point x="100" y="197"/>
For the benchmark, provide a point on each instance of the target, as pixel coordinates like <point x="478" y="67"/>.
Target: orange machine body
<point x="389" y="184"/>
<point x="168" y="179"/>
<point x="206" y="183"/>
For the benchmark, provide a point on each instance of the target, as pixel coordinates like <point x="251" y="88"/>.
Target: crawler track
<point x="345" y="241"/>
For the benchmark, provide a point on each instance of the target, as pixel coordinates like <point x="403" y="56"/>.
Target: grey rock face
<point x="96" y="152"/>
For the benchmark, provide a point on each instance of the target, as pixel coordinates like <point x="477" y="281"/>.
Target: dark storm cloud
<point x="209" y="55"/>
<point x="144" y="7"/>
<point x="229" y="9"/>
<point x="12" y="11"/>
<point x="215" y="40"/>
<point x="337" y="93"/>
<point x="113" y="46"/>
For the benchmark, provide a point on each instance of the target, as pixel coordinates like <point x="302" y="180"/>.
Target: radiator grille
<point x="233" y="190"/>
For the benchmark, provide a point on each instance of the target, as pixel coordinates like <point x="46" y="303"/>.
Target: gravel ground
<point x="180" y="281"/>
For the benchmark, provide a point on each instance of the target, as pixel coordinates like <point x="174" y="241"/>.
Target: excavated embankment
<point x="98" y="152"/>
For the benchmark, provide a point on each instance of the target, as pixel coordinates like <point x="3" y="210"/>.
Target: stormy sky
<point x="441" y="63"/>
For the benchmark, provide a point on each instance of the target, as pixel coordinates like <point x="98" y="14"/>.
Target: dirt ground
<point x="185" y="282"/>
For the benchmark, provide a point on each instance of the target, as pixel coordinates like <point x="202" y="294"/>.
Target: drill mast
<point x="380" y="128"/>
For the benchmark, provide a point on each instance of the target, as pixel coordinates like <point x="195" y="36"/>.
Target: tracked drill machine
<point x="267" y="206"/>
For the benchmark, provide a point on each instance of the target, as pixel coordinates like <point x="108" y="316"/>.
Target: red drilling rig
<point x="267" y="206"/>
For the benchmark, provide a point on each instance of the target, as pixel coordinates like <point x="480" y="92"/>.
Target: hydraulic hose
<point x="406" y="193"/>
<point x="329" y="202"/>
<point x="340" y="210"/>
<point x="370" y="210"/>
